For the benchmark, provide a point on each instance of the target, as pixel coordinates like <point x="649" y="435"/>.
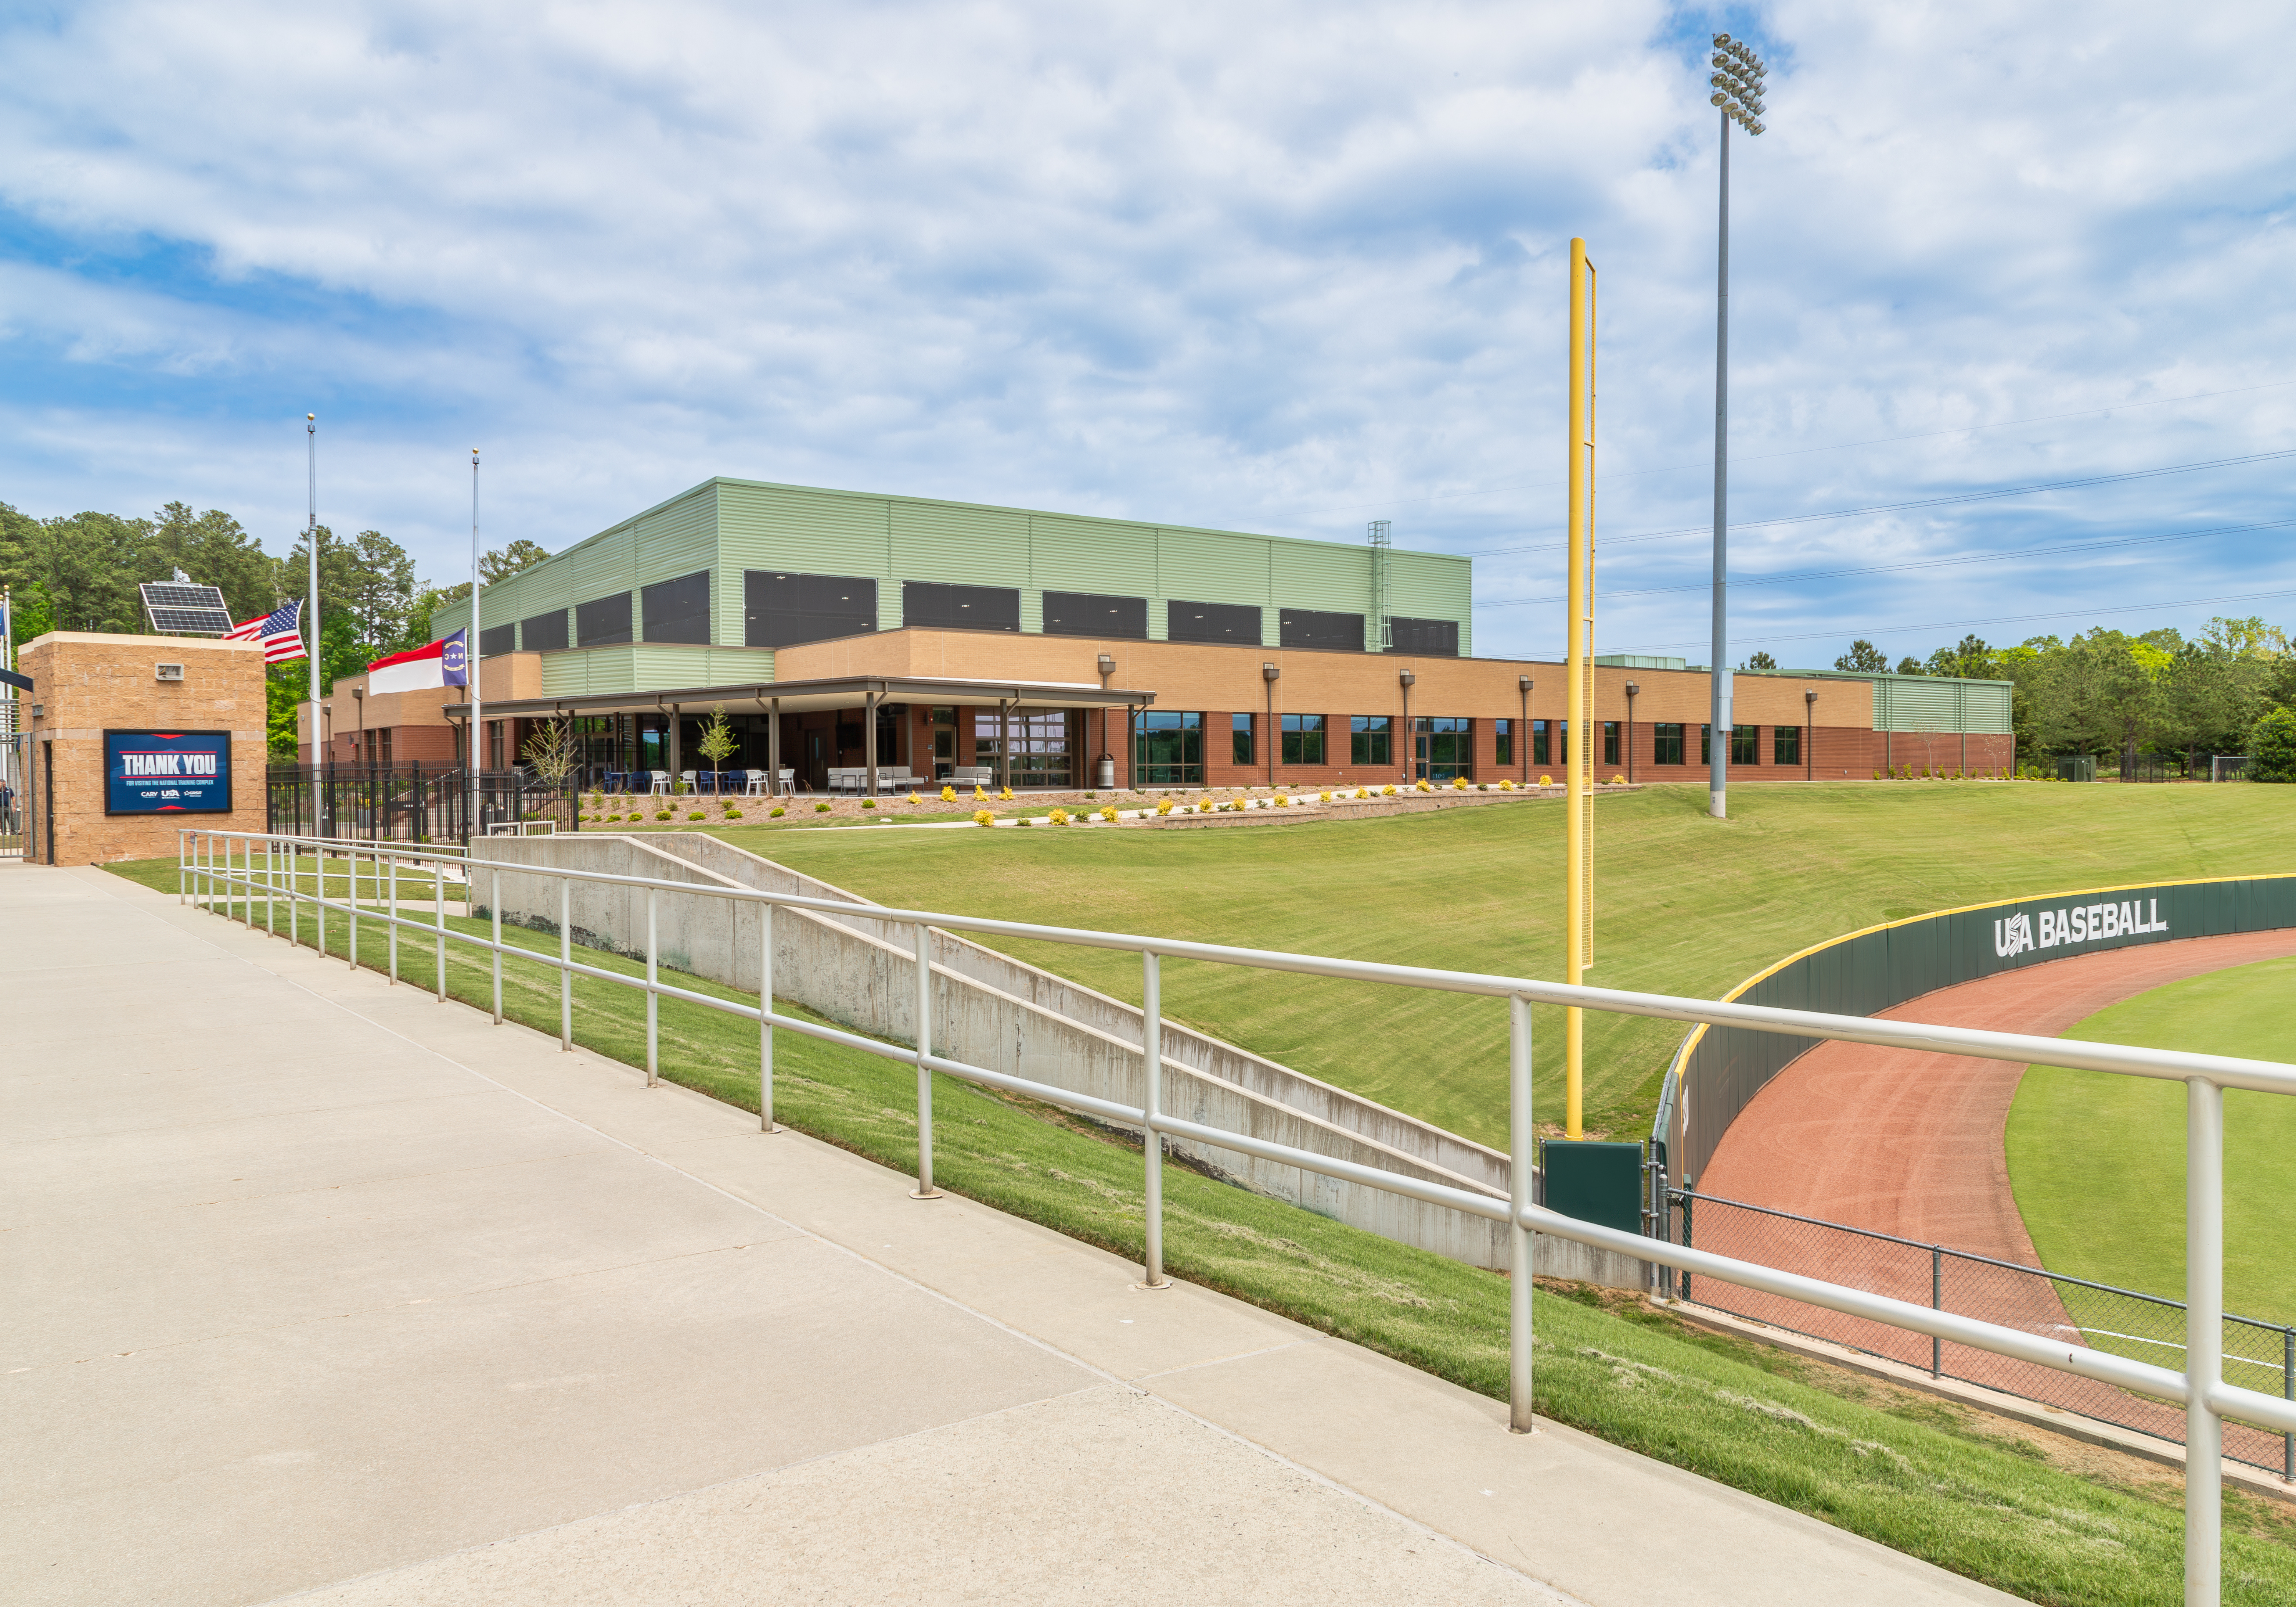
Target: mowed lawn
<point x="2098" y="1162"/>
<point x="1685" y="905"/>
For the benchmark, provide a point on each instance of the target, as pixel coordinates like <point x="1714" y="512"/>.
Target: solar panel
<point x="179" y="609"/>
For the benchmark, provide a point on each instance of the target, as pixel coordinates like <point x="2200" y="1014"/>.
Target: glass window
<point x="1168" y="749"/>
<point x="1041" y="745"/>
<point x="1368" y="739"/>
<point x="1445" y="748"/>
<point x="1429" y="638"/>
<point x="1303" y="739"/>
<point x="1745" y="745"/>
<point x="1312" y="627"/>
<point x="1239" y="724"/>
<point x="544" y="633"/>
<point x="782" y="609"/>
<point x="604" y="621"/>
<point x="496" y="640"/>
<point x="1666" y="743"/>
<point x="1503" y="733"/>
<point x="1706" y="744"/>
<point x="1211" y="622"/>
<point x="1785" y="745"/>
<point x="1090" y="614"/>
<point x="1610" y="742"/>
<point x="1540" y="753"/>
<point x="938" y="607"/>
<point x="678" y="611"/>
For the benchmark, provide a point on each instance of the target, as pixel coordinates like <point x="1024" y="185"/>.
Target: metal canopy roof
<point x="800" y="697"/>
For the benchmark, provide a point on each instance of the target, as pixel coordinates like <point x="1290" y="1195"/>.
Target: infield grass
<point x="2027" y="1514"/>
<point x="1684" y="904"/>
<point x="2097" y="1162"/>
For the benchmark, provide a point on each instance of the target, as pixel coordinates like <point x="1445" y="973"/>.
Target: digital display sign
<point x="167" y="772"/>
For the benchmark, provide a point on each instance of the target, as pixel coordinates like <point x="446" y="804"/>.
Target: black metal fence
<point x="409" y="805"/>
<point x="2074" y="1311"/>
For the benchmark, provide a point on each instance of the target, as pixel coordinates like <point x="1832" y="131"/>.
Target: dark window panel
<point x="1168" y="749"/>
<point x="783" y="610"/>
<point x="543" y="633"/>
<point x="494" y="640"/>
<point x="1211" y="622"/>
<point x="1745" y="745"/>
<point x="1311" y="628"/>
<point x="1090" y="614"/>
<point x="935" y="606"/>
<point x="1666" y="743"/>
<point x="1239" y="738"/>
<point x="602" y="622"/>
<point x="1503" y="738"/>
<point x="1429" y="638"/>
<point x="1444" y="748"/>
<point x="678" y="611"/>
<point x="1369" y="740"/>
<point x="1303" y="739"/>
<point x="1785" y="745"/>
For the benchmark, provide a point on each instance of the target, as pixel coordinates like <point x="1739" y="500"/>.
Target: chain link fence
<point x="2257" y="1356"/>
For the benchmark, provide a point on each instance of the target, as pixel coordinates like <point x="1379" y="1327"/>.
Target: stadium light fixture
<point x="1736" y="82"/>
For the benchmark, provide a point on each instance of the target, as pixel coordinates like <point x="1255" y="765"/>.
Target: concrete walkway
<point x="313" y="1285"/>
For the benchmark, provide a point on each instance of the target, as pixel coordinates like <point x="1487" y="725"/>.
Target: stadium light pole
<point x="311" y="541"/>
<point x="1736" y="82"/>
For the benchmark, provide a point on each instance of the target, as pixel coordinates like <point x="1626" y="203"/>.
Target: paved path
<point x="315" y="1286"/>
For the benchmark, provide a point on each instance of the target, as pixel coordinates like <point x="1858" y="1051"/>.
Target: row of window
<point x="1169" y="744"/>
<point x="786" y="610"/>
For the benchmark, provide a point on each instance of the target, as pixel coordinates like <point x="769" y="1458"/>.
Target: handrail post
<point x="271" y="886"/>
<point x="2203" y="1341"/>
<point x="653" y="999"/>
<point x="294" y="898"/>
<point x="319" y="890"/>
<point x="1937" y="1303"/>
<point x="766" y="1027"/>
<point x="924" y="1189"/>
<point x="1522" y="1138"/>
<point x="2288" y="1392"/>
<point x="566" y="963"/>
<point x="353" y="953"/>
<point x="394" y="916"/>
<point x="493" y="900"/>
<point x="1152" y="1064"/>
<point x="183" y="871"/>
<point x="439" y="919"/>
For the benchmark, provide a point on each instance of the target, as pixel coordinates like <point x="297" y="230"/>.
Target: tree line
<point x="2112" y="694"/>
<point x="80" y="571"/>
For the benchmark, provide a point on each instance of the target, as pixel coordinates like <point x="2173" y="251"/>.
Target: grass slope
<point x="1685" y="905"/>
<point x="2098" y="1162"/>
<point x="1922" y="1476"/>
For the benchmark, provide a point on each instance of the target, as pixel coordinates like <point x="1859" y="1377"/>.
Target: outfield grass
<point x="1923" y="1476"/>
<point x="1684" y="904"/>
<point x="2098" y="1162"/>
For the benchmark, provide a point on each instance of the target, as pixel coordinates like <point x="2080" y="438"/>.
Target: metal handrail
<point x="2206" y="1396"/>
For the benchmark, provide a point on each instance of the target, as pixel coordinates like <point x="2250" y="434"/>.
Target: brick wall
<point x="86" y="684"/>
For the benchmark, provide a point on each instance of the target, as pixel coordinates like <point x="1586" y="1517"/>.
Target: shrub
<point x="1092" y="795"/>
<point x="1060" y="816"/>
<point x="914" y="800"/>
<point x="697" y="814"/>
<point x="1387" y="791"/>
<point x="1426" y="787"/>
<point x="775" y="813"/>
<point x="731" y="813"/>
<point x="1108" y="813"/>
<point x="1283" y="802"/>
<point x="948" y="795"/>
<point x="1546" y="781"/>
<point x="2272" y="747"/>
<point x="1618" y="781"/>
<point x="1327" y="797"/>
<point x="661" y="815"/>
<point x="1458" y="783"/>
<point x="1024" y="821"/>
<point x="1164" y="807"/>
<point x="982" y="817"/>
<point x="868" y="803"/>
<point x="821" y="808"/>
<point x="1005" y="793"/>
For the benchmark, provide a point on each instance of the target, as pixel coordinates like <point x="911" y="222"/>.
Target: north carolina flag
<point x="441" y="663"/>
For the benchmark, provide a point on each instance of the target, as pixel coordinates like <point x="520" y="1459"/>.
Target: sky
<point x="2012" y="345"/>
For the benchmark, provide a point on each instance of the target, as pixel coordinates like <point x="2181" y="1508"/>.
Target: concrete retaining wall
<point x="993" y="1011"/>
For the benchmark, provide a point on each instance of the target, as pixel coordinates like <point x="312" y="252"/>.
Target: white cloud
<point x="1285" y="267"/>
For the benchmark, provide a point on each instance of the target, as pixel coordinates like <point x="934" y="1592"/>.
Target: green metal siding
<point x="580" y="672"/>
<point x="729" y="526"/>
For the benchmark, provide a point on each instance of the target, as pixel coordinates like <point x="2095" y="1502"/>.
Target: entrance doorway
<point x="817" y="760"/>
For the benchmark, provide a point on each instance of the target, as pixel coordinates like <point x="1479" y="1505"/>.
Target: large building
<point x="1059" y="651"/>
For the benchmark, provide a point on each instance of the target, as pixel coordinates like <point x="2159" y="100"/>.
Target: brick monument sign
<point x="130" y="738"/>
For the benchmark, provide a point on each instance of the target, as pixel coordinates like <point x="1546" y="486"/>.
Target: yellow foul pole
<point x="1579" y="831"/>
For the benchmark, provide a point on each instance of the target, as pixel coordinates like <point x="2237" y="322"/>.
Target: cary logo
<point x="2077" y="923"/>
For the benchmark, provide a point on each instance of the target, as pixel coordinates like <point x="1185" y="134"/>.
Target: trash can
<point x="1106" y="773"/>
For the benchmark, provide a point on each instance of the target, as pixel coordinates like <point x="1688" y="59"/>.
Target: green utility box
<point x="1598" y="1182"/>
<point x="2078" y="767"/>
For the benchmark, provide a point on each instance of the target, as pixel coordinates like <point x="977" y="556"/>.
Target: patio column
<point x="1005" y="742"/>
<point x="869" y="738"/>
<point x="774" y="751"/>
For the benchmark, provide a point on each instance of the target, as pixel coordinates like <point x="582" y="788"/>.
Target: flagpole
<point x="311" y="538"/>
<point x="471" y="656"/>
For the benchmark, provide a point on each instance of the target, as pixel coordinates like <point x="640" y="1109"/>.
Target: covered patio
<point x="861" y="734"/>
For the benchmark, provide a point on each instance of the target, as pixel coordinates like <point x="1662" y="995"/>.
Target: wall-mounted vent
<point x="168" y="672"/>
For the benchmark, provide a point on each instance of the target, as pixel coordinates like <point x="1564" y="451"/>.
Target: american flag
<point x="281" y="632"/>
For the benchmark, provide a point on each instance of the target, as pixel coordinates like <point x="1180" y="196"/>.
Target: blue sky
<point x="1288" y="267"/>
